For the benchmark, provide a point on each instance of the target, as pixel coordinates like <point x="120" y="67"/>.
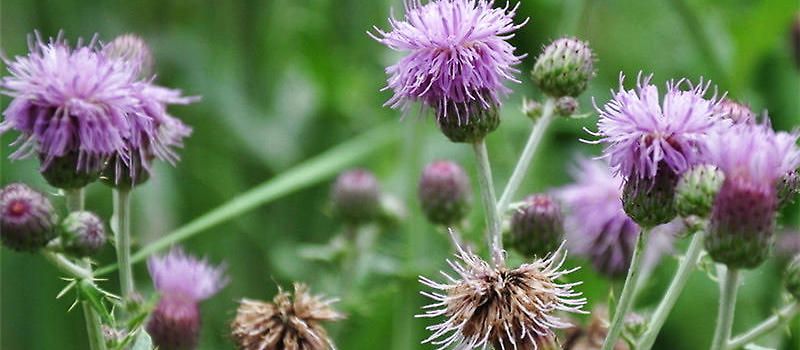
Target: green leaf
<point x="143" y="341"/>
<point x="91" y="294"/>
<point x="301" y="176"/>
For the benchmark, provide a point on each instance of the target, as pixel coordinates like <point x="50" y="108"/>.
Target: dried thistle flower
<point x="287" y="323"/>
<point x="501" y="307"/>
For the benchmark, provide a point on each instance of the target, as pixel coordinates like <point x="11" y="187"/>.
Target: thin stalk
<point x="122" y="236"/>
<point x="727" y="305"/>
<point x="628" y="291"/>
<point x="673" y="292"/>
<point x="780" y="318"/>
<point x="524" y="162"/>
<point x="75" y="202"/>
<point x="65" y="265"/>
<point x="489" y="202"/>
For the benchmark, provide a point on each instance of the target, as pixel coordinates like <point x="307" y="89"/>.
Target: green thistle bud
<point x="63" y="172"/>
<point x="564" y="68"/>
<point x="566" y="106"/>
<point x="788" y="187"/>
<point x="444" y="193"/>
<point x="537" y="228"/>
<point x="792" y="278"/>
<point x="532" y="108"/>
<point x="356" y="196"/>
<point x="696" y="190"/>
<point x="82" y="233"/>
<point x="651" y="201"/>
<point x="468" y="122"/>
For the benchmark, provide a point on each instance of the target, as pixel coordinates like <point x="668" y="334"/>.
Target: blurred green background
<point x="284" y="80"/>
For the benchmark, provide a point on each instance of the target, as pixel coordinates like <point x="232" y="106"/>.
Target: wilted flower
<point x="501" y="307"/>
<point x="27" y="218"/>
<point x="287" y="323"/>
<point x="754" y="158"/>
<point x="591" y="336"/>
<point x="458" y="56"/>
<point x="444" y="192"/>
<point x="183" y="282"/>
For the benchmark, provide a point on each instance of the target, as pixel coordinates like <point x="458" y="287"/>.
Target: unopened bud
<point x="651" y="201"/>
<point x="444" y="193"/>
<point x="566" y="106"/>
<point x="132" y="49"/>
<point x="788" y="187"/>
<point x="82" y="233"/>
<point x="564" y="68"/>
<point x="537" y="228"/>
<point x="356" y="196"/>
<point x="27" y="218"/>
<point x="696" y="190"/>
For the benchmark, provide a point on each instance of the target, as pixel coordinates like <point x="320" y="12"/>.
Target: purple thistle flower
<point x="597" y="226"/>
<point x="183" y="281"/>
<point x="70" y="100"/>
<point x="458" y="56"/>
<point x="642" y="133"/>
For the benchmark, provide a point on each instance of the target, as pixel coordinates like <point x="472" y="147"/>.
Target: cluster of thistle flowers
<point x="708" y="160"/>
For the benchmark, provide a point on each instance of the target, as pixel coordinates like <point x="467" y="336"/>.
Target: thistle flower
<point x="650" y="143"/>
<point x="183" y="281"/>
<point x="27" y="218"/>
<point x="504" y="308"/>
<point x="82" y="233"/>
<point x="355" y="196"/>
<point x="458" y="56"/>
<point x="754" y="158"/>
<point x="597" y="226"/>
<point x="444" y="192"/>
<point x="288" y="323"/>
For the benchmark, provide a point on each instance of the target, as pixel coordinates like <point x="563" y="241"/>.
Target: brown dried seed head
<point x="288" y="323"/>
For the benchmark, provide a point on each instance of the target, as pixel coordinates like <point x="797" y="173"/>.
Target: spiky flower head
<point x="500" y="307"/>
<point x="792" y="278"/>
<point x="27" y="218"/>
<point x="82" y="233"/>
<point x="183" y="282"/>
<point x="754" y="158"/>
<point x="289" y="322"/>
<point x="735" y="111"/>
<point x="444" y="193"/>
<point x="355" y="196"/>
<point x="564" y="67"/>
<point x="458" y="56"/>
<point x="537" y="228"/>
<point x="696" y="190"/>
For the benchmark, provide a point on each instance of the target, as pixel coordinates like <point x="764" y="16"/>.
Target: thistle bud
<point x="532" y="108"/>
<point x="119" y="175"/>
<point x="82" y="233"/>
<point x="696" y="190"/>
<point x="27" y="218"/>
<point x="566" y="106"/>
<point x="175" y="323"/>
<point x="68" y="172"/>
<point x="792" y="278"/>
<point x="356" y="196"/>
<point x="467" y="122"/>
<point x="651" y="201"/>
<point x="564" y="68"/>
<point x="133" y="49"/>
<point x="788" y="187"/>
<point x="537" y="228"/>
<point x="737" y="112"/>
<point x="742" y="224"/>
<point x="444" y="193"/>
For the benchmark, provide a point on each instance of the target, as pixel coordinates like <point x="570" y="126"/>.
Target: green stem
<point x="75" y="202"/>
<point x="524" y="162"/>
<point x="628" y="291"/>
<point x="303" y="175"/>
<point x="66" y="266"/>
<point x="489" y="202"/>
<point x="782" y="317"/>
<point x="727" y="305"/>
<point x="673" y="292"/>
<point x="122" y="236"/>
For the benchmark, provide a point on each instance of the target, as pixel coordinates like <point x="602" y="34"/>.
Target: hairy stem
<point x="673" y="292"/>
<point x="489" y="202"/>
<point x="628" y="291"/>
<point x="122" y="236"/>
<point x="780" y="318"/>
<point x="524" y="162"/>
<point x="727" y="305"/>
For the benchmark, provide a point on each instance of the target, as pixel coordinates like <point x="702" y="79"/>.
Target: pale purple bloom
<point x="597" y="226"/>
<point x="458" y="54"/>
<point x="68" y="100"/>
<point x="180" y="274"/>
<point x="641" y="132"/>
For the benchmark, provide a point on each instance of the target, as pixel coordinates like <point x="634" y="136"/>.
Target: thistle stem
<point x="65" y="265"/>
<point x="628" y="291"/>
<point x="122" y="236"/>
<point x="75" y="202"/>
<point x="524" y="162"/>
<point x="781" y="317"/>
<point x="673" y="292"/>
<point x="727" y="305"/>
<point x="489" y="202"/>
